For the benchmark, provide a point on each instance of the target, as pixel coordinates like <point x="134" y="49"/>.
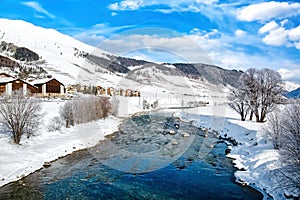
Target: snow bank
<point x="17" y="161"/>
<point x="254" y="155"/>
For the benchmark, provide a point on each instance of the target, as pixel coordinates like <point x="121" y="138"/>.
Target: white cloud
<point x="240" y="33"/>
<point x="126" y="5"/>
<point x="297" y="45"/>
<point x="277" y="30"/>
<point x="90" y="38"/>
<point x="38" y="8"/>
<point x="174" y="5"/>
<point x="39" y="16"/>
<point x="268" y="10"/>
<point x="294" y="34"/>
<point x="97" y="34"/>
<point x="268" y="27"/>
<point x="290" y="74"/>
<point x="278" y="35"/>
<point x="182" y="46"/>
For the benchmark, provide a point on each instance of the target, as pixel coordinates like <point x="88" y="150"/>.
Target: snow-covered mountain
<point x="60" y="53"/>
<point x="71" y="61"/>
<point x="293" y="94"/>
<point x="290" y="86"/>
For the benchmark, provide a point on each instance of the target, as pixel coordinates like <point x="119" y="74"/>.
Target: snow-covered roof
<point x="43" y="81"/>
<point x="7" y="79"/>
<point x="4" y="74"/>
<point x="40" y="81"/>
<point x="11" y="79"/>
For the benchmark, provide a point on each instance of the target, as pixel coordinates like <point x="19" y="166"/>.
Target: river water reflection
<point x="141" y="161"/>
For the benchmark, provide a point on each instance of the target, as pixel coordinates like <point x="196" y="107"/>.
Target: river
<point x="153" y="156"/>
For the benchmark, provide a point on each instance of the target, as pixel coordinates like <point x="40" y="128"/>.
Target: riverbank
<point x="17" y="161"/>
<point x="253" y="156"/>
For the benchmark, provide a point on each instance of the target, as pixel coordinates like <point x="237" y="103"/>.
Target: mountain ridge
<point x="72" y="61"/>
<point x="293" y="94"/>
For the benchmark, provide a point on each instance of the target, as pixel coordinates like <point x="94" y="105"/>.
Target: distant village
<point x="51" y="87"/>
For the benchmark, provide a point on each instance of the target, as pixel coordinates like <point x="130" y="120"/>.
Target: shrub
<point x="55" y="124"/>
<point x="85" y="109"/>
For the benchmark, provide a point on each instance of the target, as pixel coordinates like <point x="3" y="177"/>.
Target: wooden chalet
<point x="8" y="84"/>
<point x="49" y="87"/>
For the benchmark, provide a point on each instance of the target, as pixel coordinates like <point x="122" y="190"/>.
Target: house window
<point x="2" y="89"/>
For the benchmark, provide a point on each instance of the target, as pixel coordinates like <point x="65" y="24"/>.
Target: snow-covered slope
<point x="71" y="61"/>
<point x="290" y="86"/>
<point x="61" y="52"/>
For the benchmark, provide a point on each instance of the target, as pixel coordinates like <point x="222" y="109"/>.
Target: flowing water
<point x="152" y="157"/>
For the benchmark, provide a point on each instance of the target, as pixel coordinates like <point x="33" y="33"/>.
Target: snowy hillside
<point x="61" y="52"/>
<point x="290" y="86"/>
<point x="71" y="61"/>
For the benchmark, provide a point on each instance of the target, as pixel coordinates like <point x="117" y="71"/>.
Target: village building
<point x="122" y="92"/>
<point x="100" y="91"/>
<point x="49" y="87"/>
<point x="128" y="93"/>
<point x="8" y="84"/>
<point x="71" y="89"/>
<point x="110" y="91"/>
<point x="136" y="93"/>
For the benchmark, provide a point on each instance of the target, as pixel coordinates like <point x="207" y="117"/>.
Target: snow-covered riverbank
<point x="18" y="161"/>
<point x="254" y="156"/>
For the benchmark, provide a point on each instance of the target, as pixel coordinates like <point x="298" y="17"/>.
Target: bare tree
<point x="20" y="115"/>
<point x="259" y="90"/>
<point x="55" y="124"/>
<point x="115" y="102"/>
<point x="84" y="109"/>
<point x="237" y="101"/>
<point x="67" y="112"/>
<point x="248" y="83"/>
<point x="269" y="92"/>
<point x="274" y="128"/>
<point x="285" y="132"/>
<point x="103" y="107"/>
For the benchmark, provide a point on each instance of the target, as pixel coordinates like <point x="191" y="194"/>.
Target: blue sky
<point x="231" y="34"/>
